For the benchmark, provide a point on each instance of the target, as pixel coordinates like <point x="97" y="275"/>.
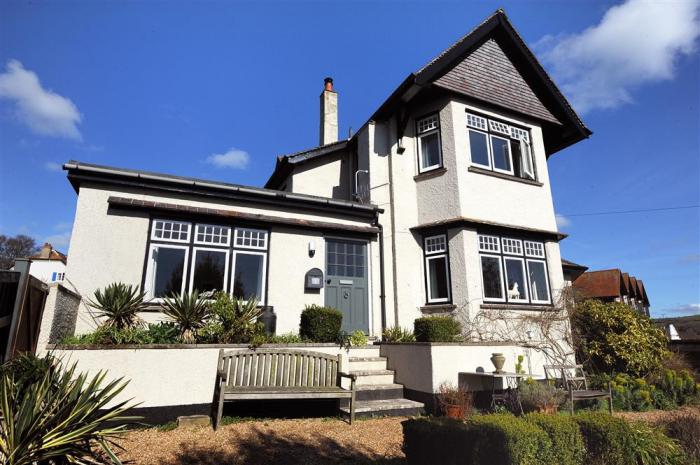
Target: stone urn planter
<point x="453" y="411"/>
<point x="498" y="360"/>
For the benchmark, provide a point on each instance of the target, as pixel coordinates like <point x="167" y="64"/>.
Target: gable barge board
<point x="178" y="211"/>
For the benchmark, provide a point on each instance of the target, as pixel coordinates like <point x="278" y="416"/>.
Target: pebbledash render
<point x="440" y="204"/>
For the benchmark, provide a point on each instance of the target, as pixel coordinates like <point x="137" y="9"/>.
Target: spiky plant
<point x="119" y="304"/>
<point x="189" y="312"/>
<point x="60" y="417"/>
<point x="238" y="317"/>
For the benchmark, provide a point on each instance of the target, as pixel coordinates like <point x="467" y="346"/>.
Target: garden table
<point x="504" y="386"/>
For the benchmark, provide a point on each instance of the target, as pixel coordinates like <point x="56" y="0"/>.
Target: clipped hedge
<point x="437" y="329"/>
<point x="435" y="440"/>
<point x="567" y="441"/>
<point x="320" y="324"/>
<point x="608" y="439"/>
<point x="502" y="439"/>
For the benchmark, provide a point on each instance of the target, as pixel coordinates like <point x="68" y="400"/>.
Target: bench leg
<point x="219" y="409"/>
<point x="352" y="407"/>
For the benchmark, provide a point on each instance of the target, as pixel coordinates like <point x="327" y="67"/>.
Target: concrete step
<point x="366" y="377"/>
<point x="386" y="408"/>
<point x="367" y="363"/>
<point x="379" y="391"/>
<point x="364" y="351"/>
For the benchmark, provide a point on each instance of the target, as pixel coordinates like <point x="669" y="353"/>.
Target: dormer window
<point x="500" y="147"/>
<point x="429" y="151"/>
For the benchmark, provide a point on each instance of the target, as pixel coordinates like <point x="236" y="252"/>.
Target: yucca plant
<point x="59" y="418"/>
<point x="189" y="312"/>
<point x="119" y="304"/>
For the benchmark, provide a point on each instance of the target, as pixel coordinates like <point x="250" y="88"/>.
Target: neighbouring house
<point x="49" y="265"/>
<point x="683" y="335"/>
<point x="439" y="204"/>
<point x="613" y="286"/>
<point x="571" y="271"/>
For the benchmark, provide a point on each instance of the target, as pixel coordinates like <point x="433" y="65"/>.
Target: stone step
<point x="379" y="391"/>
<point x="366" y="377"/>
<point x="388" y="408"/>
<point x="367" y="363"/>
<point x="364" y="351"/>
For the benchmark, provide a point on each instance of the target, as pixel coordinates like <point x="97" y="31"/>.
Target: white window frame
<point x="488" y="149"/>
<point x="151" y="269"/>
<point x="490" y="236"/>
<point x="526" y="164"/>
<point x="436" y="236"/>
<point x="428" y="132"/>
<point x="518" y="244"/>
<point x="501" y="128"/>
<point x="546" y="280"/>
<point x="526" y="278"/>
<point x="194" y="261"/>
<point x="480" y="122"/>
<point x="534" y="245"/>
<point x="263" y="291"/>
<point x="510" y="155"/>
<point x="250" y="247"/>
<point x="435" y="256"/>
<point x="181" y="241"/>
<point x="483" y="284"/>
<point x="219" y="244"/>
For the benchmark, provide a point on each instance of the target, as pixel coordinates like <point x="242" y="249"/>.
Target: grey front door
<point x="346" y="282"/>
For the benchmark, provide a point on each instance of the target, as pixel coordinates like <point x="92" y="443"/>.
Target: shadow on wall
<point x="263" y="448"/>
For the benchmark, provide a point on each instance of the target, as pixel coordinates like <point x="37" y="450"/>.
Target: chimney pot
<point x="329" y="113"/>
<point x="328" y="84"/>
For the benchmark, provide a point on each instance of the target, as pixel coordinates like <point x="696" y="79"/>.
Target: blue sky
<point x="168" y="86"/>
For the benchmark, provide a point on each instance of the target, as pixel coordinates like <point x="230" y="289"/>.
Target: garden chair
<point x="572" y="378"/>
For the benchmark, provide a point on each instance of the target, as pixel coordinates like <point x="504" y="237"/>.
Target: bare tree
<point x="15" y="247"/>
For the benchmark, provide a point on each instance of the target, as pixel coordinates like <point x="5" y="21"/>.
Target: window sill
<point x="430" y="309"/>
<point x="526" y="307"/>
<point x="474" y="169"/>
<point x="430" y="174"/>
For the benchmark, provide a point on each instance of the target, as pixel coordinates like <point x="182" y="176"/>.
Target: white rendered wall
<point x="328" y="177"/>
<point x="44" y="269"/>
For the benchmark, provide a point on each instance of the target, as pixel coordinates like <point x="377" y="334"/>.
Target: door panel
<point x="346" y="282"/>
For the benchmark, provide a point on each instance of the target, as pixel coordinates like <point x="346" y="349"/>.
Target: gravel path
<point x="279" y="442"/>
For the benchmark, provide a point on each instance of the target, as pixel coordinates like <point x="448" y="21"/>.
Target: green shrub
<point x="502" y="439"/>
<point x="538" y="396"/>
<point x="118" y="305"/>
<point x="164" y="332"/>
<point x="685" y="428"/>
<point x="158" y="333"/>
<point x="437" y="329"/>
<point x="288" y="338"/>
<point x="358" y="338"/>
<point x="608" y="439"/>
<point x="614" y="338"/>
<point x="398" y="334"/>
<point x="651" y="446"/>
<point x="320" y="324"/>
<point x="428" y="441"/>
<point x="234" y="320"/>
<point x="563" y="431"/>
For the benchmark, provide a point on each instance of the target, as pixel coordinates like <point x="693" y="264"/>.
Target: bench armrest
<point x="352" y="378"/>
<point x="222" y="374"/>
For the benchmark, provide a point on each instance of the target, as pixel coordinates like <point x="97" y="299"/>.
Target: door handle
<point x="328" y="281"/>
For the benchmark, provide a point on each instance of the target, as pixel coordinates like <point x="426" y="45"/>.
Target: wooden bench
<point x="572" y="378"/>
<point x="280" y="374"/>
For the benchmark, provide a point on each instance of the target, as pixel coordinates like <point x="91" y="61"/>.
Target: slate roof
<point x="688" y="327"/>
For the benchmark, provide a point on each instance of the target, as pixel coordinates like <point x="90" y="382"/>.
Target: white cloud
<point x="44" y="111"/>
<point x="635" y="43"/>
<point x="679" y="310"/>
<point x="52" y="166"/>
<point x="562" y="221"/>
<point x="234" y="158"/>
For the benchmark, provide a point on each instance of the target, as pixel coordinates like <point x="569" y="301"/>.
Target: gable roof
<point x="603" y="283"/>
<point x="285" y="163"/>
<point x="47" y="252"/>
<point x="562" y="126"/>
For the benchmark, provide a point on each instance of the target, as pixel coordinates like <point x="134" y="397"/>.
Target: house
<point x="571" y="271"/>
<point x="440" y="203"/>
<point x="49" y="265"/>
<point x="613" y="286"/>
<point x="683" y="335"/>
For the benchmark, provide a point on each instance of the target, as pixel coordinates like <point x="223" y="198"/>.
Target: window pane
<point x="501" y="154"/>
<point x="169" y="266"/>
<point x="248" y="276"/>
<point x="209" y="269"/>
<point x="515" y="279"/>
<point x="430" y="150"/>
<point x="491" y="271"/>
<point x="538" y="281"/>
<point x="478" y="148"/>
<point x="437" y="278"/>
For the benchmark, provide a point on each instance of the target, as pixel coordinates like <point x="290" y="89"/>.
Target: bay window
<point x="500" y="147"/>
<point x="437" y="269"/>
<point x="429" y="150"/>
<point x="209" y="270"/>
<point x="513" y="270"/>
